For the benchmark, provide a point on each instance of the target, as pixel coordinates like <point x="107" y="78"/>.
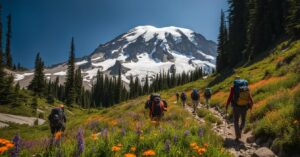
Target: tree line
<point x="253" y="26"/>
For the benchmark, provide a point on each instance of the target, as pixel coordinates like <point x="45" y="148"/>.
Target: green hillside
<point x="126" y="128"/>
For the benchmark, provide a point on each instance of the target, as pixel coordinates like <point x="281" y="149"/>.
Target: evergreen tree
<point x="37" y="84"/>
<point x="78" y="85"/>
<point x="222" y="39"/>
<point x="1" y="47"/>
<point x="293" y="19"/>
<point x="9" y="62"/>
<point x="70" y="93"/>
<point x="146" y="85"/>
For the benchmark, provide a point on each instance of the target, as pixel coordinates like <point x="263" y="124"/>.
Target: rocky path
<point x="245" y="148"/>
<point x="9" y="118"/>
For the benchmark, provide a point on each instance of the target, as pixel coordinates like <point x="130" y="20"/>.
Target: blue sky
<point x="46" y="26"/>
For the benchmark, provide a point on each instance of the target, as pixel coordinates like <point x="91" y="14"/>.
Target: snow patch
<point x="81" y="62"/>
<point x="61" y="73"/>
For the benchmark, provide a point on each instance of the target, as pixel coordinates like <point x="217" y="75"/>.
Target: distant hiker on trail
<point x="183" y="98"/>
<point x="241" y="100"/>
<point x="195" y="99"/>
<point x="156" y="107"/>
<point x="207" y="95"/>
<point x="57" y="119"/>
<point x="177" y="97"/>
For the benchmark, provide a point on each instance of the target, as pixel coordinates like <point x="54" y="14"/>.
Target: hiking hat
<point x="237" y="77"/>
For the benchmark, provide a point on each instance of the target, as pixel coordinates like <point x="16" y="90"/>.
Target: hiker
<point x="57" y="119"/>
<point x="183" y="98"/>
<point x="156" y="107"/>
<point x="241" y="100"/>
<point x="195" y="99"/>
<point x="207" y="95"/>
<point x="177" y="97"/>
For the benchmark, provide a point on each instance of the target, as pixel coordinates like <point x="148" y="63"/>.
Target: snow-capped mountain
<point x="140" y="51"/>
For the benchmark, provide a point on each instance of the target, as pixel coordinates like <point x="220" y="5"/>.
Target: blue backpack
<point x="195" y="94"/>
<point x="241" y="92"/>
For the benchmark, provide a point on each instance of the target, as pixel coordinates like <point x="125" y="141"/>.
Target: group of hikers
<point x="239" y="98"/>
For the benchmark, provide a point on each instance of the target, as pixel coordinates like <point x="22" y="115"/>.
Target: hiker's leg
<point x="236" y="117"/>
<point x="206" y="101"/>
<point x="243" y="116"/>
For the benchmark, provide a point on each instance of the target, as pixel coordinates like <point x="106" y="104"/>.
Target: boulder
<point x="263" y="152"/>
<point x="250" y="139"/>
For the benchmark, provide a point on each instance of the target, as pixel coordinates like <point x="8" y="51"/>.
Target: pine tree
<point x="9" y="62"/>
<point x="1" y="48"/>
<point x="70" y="93"/>
<point x="146" y="85"/>
<point x="78" y="85"/>
<point x="238" y="17"/>
<point x="222" y="39"/>
<point x="293" y="19"/>
<point x="37" y="84"/>
<point x="118" y="87"/>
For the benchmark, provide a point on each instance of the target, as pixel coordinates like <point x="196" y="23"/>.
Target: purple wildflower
<point x="16" y="150"/>
<point x="80" y="142"/>
<point x="186" y="132"/>
<point x="167" y="145"/>
<point x="175" y="139"/>
<point x="104" y="132"/>
<point x="138" y="129"/>
<point x="161" y="129"/>
<point x="123" y="132"/>
<point x="200" y="132"/>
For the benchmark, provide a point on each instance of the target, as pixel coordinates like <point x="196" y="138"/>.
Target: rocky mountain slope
<point x="140" y="51"/>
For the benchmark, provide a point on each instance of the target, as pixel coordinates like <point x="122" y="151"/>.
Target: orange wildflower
<point x="6" y="144"/>
<point x="3" y="149"/>
<point x="119" y="145"/>
<point x="58" y="135"/>
<point x="95" y="137"/>
<point x="201" y="150"/>
<point x="133" y="149"/>
<point x="194" y="144"/>
<point x="114" y="122"/>
<point x="149" y="152"/>
<point x="129" y="155"/>
<point x="115" y="148"/>
<point x="205" y="145"/>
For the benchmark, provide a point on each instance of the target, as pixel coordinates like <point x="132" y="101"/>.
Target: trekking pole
<point x="225" y="125"/>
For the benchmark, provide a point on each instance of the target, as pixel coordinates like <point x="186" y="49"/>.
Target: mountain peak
<point x="148" y="32"/>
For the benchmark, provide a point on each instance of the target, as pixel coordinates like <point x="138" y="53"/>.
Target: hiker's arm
<point x="229" y="98"/>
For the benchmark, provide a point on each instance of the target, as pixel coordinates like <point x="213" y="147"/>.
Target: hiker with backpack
<point x="57" y="119"/>
<point x="195" y="99"/>
<point x="156" y="107"/>
<point x="241" y="100"/>
<point x="183" y="98"/>
<point x="207" y="95"/>
<point x="177" y="97"/>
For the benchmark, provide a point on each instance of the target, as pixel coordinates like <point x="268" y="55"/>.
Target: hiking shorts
<point x="195" y="103"/>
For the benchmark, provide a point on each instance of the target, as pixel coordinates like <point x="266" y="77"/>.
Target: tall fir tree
<point x="146" y="85"/>
<point x="37" y="84"/>
<point x="1" y="46"/>
<point x="70" y="93"/>
<point x="293" y="19"/>
<point x="78" y="85"/>
<point x="238" y="17"/>
<point x="222" y="39"/>
<point x="8" y="57"/>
